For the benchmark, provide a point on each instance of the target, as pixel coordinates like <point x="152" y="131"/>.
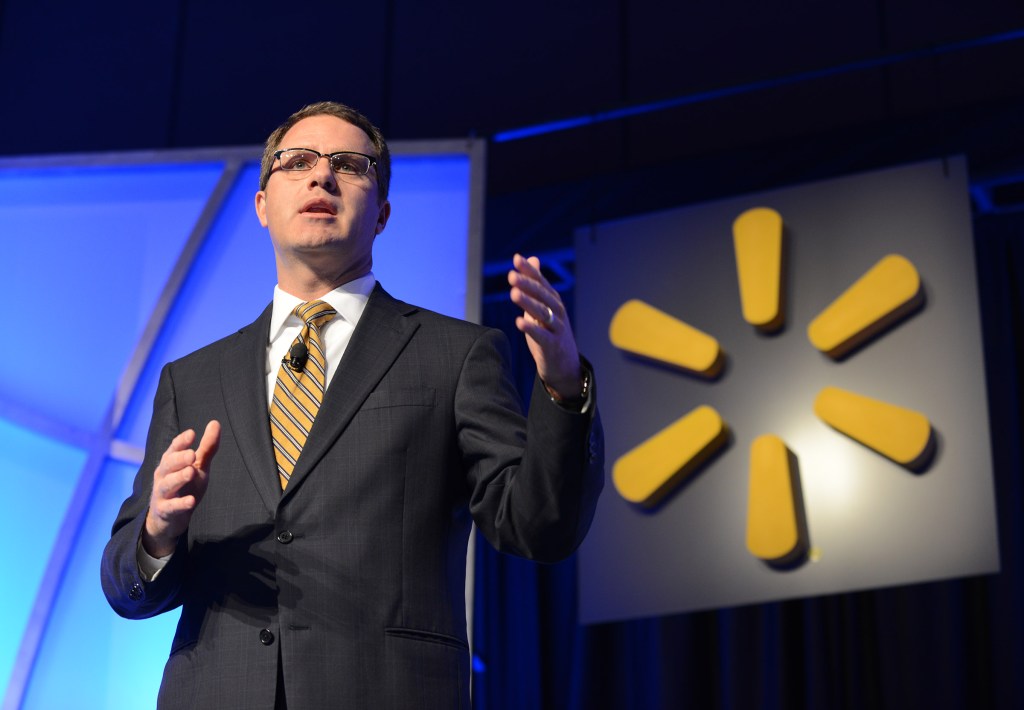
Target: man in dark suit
<point x="335" y="578"/>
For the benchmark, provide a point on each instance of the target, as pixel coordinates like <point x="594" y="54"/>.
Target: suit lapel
<point x="244" y="383"/>
<point x="380" y="337"/>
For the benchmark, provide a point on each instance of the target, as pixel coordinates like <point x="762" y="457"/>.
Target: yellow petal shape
<point x="648" y="472"/>
<point x="642" y="329"/>
<point x="757" y="238"/>
<point x="903" y="435"/>
<point x="885" y="293"/>
<point x="773" y="532"/>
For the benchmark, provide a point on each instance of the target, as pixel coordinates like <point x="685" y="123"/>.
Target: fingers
<point x="208" y="446"/>
<point x="170" y="485"/>
<point x="178" y="454"/>
<point x="171" y="506"/>
<point x="179" y="483"/>
<point x="167" y="512"/>
<point x="546" y="326"/>
<point x="527" y="276"/>
<point x="182" y="441"/>
<point x="537" y="315"/>
<point x="180" y="465"/>
<point x="541" y="304"/>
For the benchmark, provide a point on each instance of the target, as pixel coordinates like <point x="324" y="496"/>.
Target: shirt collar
<point x="349" y="300"/>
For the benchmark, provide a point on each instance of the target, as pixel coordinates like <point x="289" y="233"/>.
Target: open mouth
<point x="319" y="207"/>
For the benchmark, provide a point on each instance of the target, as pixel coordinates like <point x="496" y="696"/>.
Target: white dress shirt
<point x="349" y="300"/>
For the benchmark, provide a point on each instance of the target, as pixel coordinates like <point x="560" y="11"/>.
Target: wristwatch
<point x="578" y="403"/>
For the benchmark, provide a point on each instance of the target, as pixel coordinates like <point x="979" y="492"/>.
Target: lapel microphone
<point x="297" y="356"/>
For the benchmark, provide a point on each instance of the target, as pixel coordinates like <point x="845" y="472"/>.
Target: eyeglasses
<point x="344" y="162"/>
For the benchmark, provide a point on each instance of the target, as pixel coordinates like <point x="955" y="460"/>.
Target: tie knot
<point x="314" y="313"/>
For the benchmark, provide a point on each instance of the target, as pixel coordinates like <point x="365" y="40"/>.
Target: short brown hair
<point x="345" y="113"/>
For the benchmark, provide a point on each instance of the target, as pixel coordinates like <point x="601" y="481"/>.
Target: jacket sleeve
<point x="535" y="481"/>
<point x="127" y="592"/>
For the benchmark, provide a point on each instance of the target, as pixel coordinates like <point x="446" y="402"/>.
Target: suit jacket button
<point x="285" y="536"/>
<point x="266" y="637"/>
<point x="136" y="593"/>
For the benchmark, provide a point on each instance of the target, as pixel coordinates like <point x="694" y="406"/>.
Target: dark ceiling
<point x="719" y="97"/>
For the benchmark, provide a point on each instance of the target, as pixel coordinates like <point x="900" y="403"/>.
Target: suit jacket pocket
<point x="400" y="397"/>
<point x="425" y="669"/>
<point x="427" y="636"/>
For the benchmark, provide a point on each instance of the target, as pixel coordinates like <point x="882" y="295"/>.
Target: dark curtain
<point x="950" y="644"/>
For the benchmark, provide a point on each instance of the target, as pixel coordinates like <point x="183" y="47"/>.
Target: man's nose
<point x="323" y="175"/>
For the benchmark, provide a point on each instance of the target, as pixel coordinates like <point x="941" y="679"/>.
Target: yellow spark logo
<point x="776" y="526"/>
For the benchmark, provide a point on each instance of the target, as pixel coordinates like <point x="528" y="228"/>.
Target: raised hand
<point x="546" y="326"/>
<point x="179" y="483"/>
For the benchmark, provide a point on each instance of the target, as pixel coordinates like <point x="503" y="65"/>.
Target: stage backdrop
<point x="114" y="266"/>
<point x="835" y="441"/>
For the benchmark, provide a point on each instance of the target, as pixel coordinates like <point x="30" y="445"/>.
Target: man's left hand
<point x="546" y="326"/>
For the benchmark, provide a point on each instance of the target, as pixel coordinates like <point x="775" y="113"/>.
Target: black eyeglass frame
<point x="330" y="157"/>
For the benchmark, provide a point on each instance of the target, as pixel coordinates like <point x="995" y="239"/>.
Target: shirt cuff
<point x="149" y="566"/>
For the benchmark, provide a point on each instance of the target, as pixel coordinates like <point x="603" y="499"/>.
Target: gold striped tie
<point x="299" y="388"/>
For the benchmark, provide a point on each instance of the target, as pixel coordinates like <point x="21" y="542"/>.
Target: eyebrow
<point x="332" y="152"/>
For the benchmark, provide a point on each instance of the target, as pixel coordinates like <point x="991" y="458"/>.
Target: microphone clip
<point x="297" y="356"/>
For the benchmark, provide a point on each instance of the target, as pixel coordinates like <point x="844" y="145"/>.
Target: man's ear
<point x="261" y="207"/>
<point x="382" y="216"/>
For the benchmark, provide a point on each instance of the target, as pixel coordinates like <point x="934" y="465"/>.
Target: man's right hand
<point x="179" y="484"/>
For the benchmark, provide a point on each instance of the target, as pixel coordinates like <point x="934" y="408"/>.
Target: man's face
<point x="319" y="216"/>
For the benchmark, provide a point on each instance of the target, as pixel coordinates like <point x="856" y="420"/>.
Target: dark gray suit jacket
<point x="353" y="578"/>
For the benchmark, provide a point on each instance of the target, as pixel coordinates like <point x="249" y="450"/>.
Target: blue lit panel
<point x="229" y="285"/>
<point x="420" y="258"/>
<point x="90" y="657"/>
<point x="40" y="474"/>
<point x="421" y="255"/>
<point x="97" y="244"/>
